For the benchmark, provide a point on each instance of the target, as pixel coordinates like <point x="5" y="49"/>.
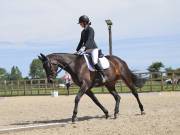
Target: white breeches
<point x="94" y="54"/>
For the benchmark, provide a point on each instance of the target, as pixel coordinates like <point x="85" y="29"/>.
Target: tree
<point x="15" y="73"/>
<point x="36" y="69"/>
<point x="169" y="71"/>
<point x="3" y="74"/>
<point x="155" y="67"/>
<point x="177" y="71"/>
<point x="26" y="78"/>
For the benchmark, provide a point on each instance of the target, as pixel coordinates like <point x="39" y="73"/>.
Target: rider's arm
<point x="80" y="44"/>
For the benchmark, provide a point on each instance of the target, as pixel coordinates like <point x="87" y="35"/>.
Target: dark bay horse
<point x="76" y="66"/>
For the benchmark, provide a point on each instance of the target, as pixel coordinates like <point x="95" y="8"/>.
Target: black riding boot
<point x="101" y="72"/>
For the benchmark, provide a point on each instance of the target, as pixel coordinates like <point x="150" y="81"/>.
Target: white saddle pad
<point x="103" y="61"/>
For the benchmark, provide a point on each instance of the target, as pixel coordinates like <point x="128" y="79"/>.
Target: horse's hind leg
<point x="134" y="92"/>
<point x="96" y="101"/>
<point x="111" y="88"/>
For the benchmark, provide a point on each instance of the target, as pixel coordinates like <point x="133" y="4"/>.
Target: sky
<point x="143" y="31"/>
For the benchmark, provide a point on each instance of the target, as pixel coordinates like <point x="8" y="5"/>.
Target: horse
<point x="178" y="81"/>
<point x="175" y="81"/>
<point x="168" y="82"/>
<point x="76" y="66"/>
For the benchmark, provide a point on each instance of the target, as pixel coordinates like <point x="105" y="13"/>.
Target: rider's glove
<point x="81" y="51"/>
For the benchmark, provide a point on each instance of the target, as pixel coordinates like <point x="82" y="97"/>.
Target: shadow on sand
<point x="67" y="120"/>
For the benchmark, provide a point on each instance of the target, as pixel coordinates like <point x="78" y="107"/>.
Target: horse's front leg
<point x="81" y="92"/>
<point x="96" y="101"/>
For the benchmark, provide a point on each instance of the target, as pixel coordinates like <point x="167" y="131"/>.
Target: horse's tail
<point x="137" y="80"/>
<point x="127" y="73"/>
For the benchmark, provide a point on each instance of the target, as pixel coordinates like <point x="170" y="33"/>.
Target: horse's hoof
<point x="107" y="115"/>
<point x="115" y="115"/>
<point x="74" y="119"/>
<point x="143" y="113"/>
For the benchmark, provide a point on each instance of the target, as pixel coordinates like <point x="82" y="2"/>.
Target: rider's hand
<point x="82" y="49"/>
<point x="78" y="53"/>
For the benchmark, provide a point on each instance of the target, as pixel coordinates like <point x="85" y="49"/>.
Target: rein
<point x="61" y="66"/>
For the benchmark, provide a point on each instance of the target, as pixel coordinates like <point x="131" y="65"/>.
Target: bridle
<point x="62" y="67"/>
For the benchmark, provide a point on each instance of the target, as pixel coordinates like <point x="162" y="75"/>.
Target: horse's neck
<point x="69" y="62"/>
<point x="64" y="59"/>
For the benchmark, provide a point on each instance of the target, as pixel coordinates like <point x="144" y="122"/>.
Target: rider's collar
<point x="86" y="27"/>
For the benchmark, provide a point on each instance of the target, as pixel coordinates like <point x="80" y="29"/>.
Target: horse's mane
<point x="62" y="54"/>
<point x="69" y="54"/>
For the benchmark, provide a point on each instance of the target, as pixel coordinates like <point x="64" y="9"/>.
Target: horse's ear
<point x="40" y="58"/>
<point x="43" y="57"/>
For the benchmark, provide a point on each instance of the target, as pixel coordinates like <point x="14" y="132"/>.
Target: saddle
<point x="102" y="60"/>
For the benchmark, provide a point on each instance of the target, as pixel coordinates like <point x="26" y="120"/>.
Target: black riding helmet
<point x="83" y="19"/>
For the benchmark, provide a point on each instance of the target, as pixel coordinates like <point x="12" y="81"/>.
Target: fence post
<point x="173" y="81"/>
<point x="140" y="75"/>
<point x="5" y="85"/>
<point x="162" y="88"/>
<point x="150" y="81"/>
<point x="31" y="83"/>
<point x="38" y="86"/>
<point x="17" y="87"/>
<point x="102" y="89"/>
<point x="120" y="86"/>
<point x="24" y="87"/>
<point x="11" y="87"/>
<point x="45" y="86"/>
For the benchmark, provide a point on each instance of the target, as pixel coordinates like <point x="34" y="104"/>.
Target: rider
<point x="87" y="42"/>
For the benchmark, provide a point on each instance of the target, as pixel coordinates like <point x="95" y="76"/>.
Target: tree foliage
<point x="155" y="67"/>
<point x="36" y="69"/>
<point x="15" y="73"/>
<point x="177" y="71"/>
<point x="3" y="74"/>
<point x="169" y="71"/>
<point x="2" y="71"/>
